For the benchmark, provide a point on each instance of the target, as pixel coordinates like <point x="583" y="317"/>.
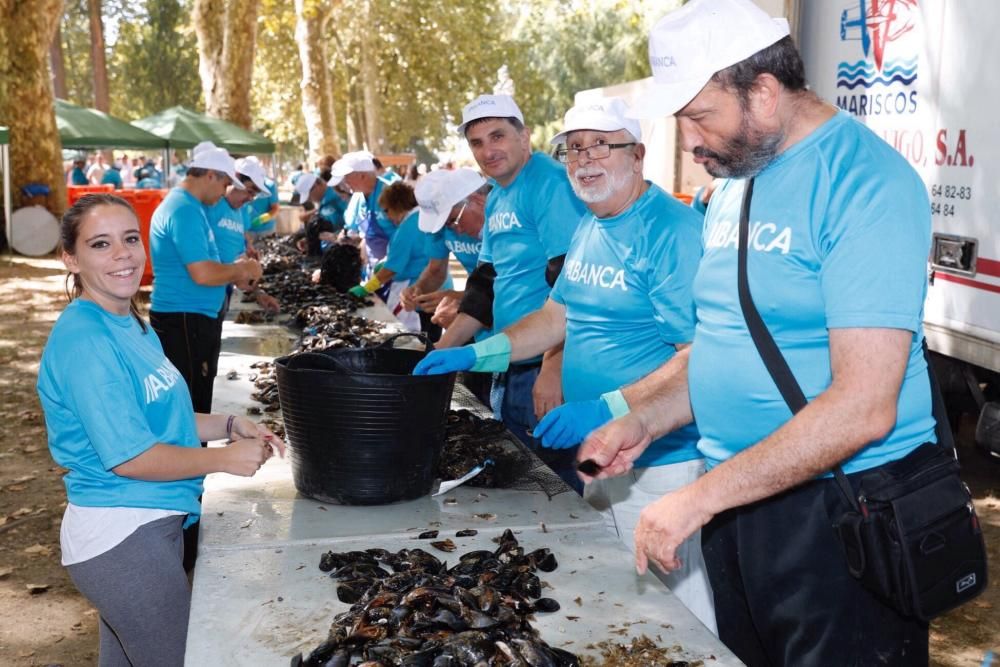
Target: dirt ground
<point x="44" y="621"/>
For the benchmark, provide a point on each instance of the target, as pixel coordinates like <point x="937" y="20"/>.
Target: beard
<point x="612" y="182"/>
<point x="744" y="154"/>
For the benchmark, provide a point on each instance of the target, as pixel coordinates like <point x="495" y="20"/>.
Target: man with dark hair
<point x="189" y="284"/>
<point x="531" y="214"/>
<point x="824" y="197"/>
<point x="363" y="215"/>
<point x="230" y="220"/>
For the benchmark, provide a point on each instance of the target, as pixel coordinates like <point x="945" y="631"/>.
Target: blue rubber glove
<point x="569" y="424"/>
<point x="450" y="360"/>
<point x="358" y="291"/>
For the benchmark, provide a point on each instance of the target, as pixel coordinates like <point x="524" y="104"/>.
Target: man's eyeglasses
<point x="595" y="152"/>
<point x="453" y="222"/>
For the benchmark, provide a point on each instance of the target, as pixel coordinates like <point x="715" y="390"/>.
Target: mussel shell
<point x="546" y="605"/>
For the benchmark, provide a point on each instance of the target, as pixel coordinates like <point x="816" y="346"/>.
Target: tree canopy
<point x="398" y="72"/>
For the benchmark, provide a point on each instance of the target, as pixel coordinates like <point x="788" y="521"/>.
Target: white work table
<point x="259" y="597"/>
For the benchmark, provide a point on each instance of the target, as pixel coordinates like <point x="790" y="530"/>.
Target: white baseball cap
<point x="252" y="168"/>
<point x="352" y="162"/>
<point x="439" y="191"/>
<point x="607" y="114"/>
<point x="202" y="146"/>
<point x="489" y="106"/>
<point x="304" y="185"/>
<point x="217" y="159"/>
<point x="689" y="45"/>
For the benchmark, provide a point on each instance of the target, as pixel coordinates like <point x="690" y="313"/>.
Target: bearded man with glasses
<point x="623" y="306"/>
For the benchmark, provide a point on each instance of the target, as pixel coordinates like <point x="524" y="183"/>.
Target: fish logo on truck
<point x="874" y="25"/>
<point x="880" y="86"/>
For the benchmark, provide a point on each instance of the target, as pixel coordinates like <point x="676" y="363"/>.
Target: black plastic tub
<point x="363" y="430"/>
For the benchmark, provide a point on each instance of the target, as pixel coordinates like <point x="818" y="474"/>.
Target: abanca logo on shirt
<point x="163" y="379"/>
<point x="460" y="247"/>
<point x="231" y="225"/>
<point x="504" y="222"/>
<point x="763" y="237"/>
<point x="596" y="275"/>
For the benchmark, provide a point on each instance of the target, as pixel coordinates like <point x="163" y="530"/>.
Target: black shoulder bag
<point x="911" y="535"/>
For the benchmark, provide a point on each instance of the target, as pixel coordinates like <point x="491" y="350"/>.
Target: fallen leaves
<point x="38" y="549"/>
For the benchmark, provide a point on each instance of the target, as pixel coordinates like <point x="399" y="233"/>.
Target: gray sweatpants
<point x="142" y="594"/>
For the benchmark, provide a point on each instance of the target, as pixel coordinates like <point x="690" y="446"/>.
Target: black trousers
<point x="513" y="390"/>
<point x="783" y="595"/>
<point x="191" y="342"/>
<point x="432" y="331"/>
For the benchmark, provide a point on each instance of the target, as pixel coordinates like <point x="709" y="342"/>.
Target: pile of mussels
<point x="409" y="608"/>
<point x="470" y="441"/>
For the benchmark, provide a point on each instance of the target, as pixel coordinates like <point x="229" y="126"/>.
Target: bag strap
<point x="779" y="370"/>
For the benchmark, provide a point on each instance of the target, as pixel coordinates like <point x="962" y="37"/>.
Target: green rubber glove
<point x="492" y="354"/>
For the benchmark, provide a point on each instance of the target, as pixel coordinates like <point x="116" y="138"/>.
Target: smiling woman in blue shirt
<point x="120" y="420"/>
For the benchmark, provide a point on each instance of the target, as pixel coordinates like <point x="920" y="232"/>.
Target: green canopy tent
<point x="80" y="127"/>
<point x="5" y="175"/>
<point x="183" y="128"/>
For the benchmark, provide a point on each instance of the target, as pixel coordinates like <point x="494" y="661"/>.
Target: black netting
<point x="474" y="436"/>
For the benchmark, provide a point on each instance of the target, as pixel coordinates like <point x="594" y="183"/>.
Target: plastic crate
<point x="74" y="192"/>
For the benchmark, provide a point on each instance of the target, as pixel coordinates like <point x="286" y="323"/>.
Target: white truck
<point x="920" y="73"/>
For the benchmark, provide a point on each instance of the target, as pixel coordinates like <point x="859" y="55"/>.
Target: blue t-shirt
<point x="332" y="209"/>
<point x="109" y="394"/>
<point x="407" y="256"/>
<point x="528" y="223"/>
<point x="465" y="248"/>
<point x="839" y="237"/>
<point x="229" y="226"/>
<point x="179" y="235"/>
<point x="260" y="205"/>
<point x="362" y="211"/>
<point x="78" y="177"/>
<point x="112" y="177"/>
<point x="626" y="285"/>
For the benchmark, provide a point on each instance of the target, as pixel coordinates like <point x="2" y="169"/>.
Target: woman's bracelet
<point x="229" y="427"/>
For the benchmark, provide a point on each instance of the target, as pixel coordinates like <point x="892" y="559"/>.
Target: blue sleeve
<point x="876" y="239"/>
<point x="556" y="293"/>
<point x="696" y="203"/>
<point x="402" y="246"/>
<point x="434" y="246"/>
<point x="188" y="231"/>
<point x="352" y="215"/>
<point x="559" y="214"/>
<point x="673" y="263"/>
<point x="485" y="251"/>
<point x="99" y="391"/>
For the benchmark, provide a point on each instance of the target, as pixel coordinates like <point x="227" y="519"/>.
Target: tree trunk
<point x="354" y="115"/>
<point x="26" y="31"/>
<point x="330" y="111"/>
<point x="237" y="62"/>
<point x="209" y="24"/>
<point x="227" y="39"/>
<point x="369" y="81"/>
<point x="58" y="65"/>
<point x="316" y="108"/>
<point x="98" y="60"/>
